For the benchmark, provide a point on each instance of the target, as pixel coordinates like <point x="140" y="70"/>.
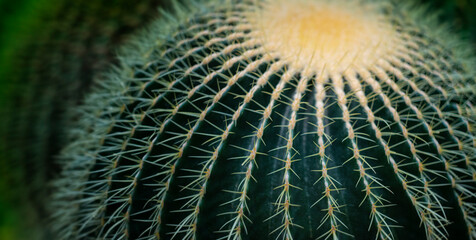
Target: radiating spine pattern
<point x="210" y="130"/>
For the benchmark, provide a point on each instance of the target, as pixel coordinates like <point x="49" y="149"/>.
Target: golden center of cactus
<point x="323" y="35"/>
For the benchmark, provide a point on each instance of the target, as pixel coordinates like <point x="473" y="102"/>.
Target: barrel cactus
<point x="309" y="119"/>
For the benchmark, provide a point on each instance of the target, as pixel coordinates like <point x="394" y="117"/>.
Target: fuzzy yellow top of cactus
<point x="323" y="35"/>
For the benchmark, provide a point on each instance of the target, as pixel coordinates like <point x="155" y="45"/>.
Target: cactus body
<point x="265" y="120"/>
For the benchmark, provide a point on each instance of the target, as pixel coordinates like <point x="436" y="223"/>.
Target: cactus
<point x="277" y="120"/>
<point x="50" y="53"/>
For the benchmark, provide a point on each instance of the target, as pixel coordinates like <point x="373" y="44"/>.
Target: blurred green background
<point x="50" y="51"/>
<point x="22" y="30"/>
<point x="10" y="12"/>
<point x="461" y="14"/>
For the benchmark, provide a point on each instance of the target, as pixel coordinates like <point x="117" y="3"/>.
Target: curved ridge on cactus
<point x="264" y="120"/>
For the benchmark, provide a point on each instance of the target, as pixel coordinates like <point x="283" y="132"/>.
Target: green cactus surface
<point x="348" y="119"/>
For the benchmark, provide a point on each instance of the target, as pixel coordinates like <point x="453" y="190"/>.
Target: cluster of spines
<point x="331" y="185"/>
<point x="168" y="120"/>
<point x="189" y="94"/>
<point x="239" y="221"/>
<point x="452" y="152"/>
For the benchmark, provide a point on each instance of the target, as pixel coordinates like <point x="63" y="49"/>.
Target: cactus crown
<point x="217" y="128"/>
<point x="306" y="32"/>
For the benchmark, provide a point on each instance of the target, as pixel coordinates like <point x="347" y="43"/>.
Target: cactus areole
<point x="277" y="120"/>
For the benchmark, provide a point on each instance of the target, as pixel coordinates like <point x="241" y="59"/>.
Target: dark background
<point x="461" y="14"/>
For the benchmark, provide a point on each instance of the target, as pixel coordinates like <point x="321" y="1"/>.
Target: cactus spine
<point x="264" y="120"/>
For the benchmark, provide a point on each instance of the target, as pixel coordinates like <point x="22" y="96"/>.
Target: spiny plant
<point x="278" y="120"/>
<point x="50" y="52"/>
